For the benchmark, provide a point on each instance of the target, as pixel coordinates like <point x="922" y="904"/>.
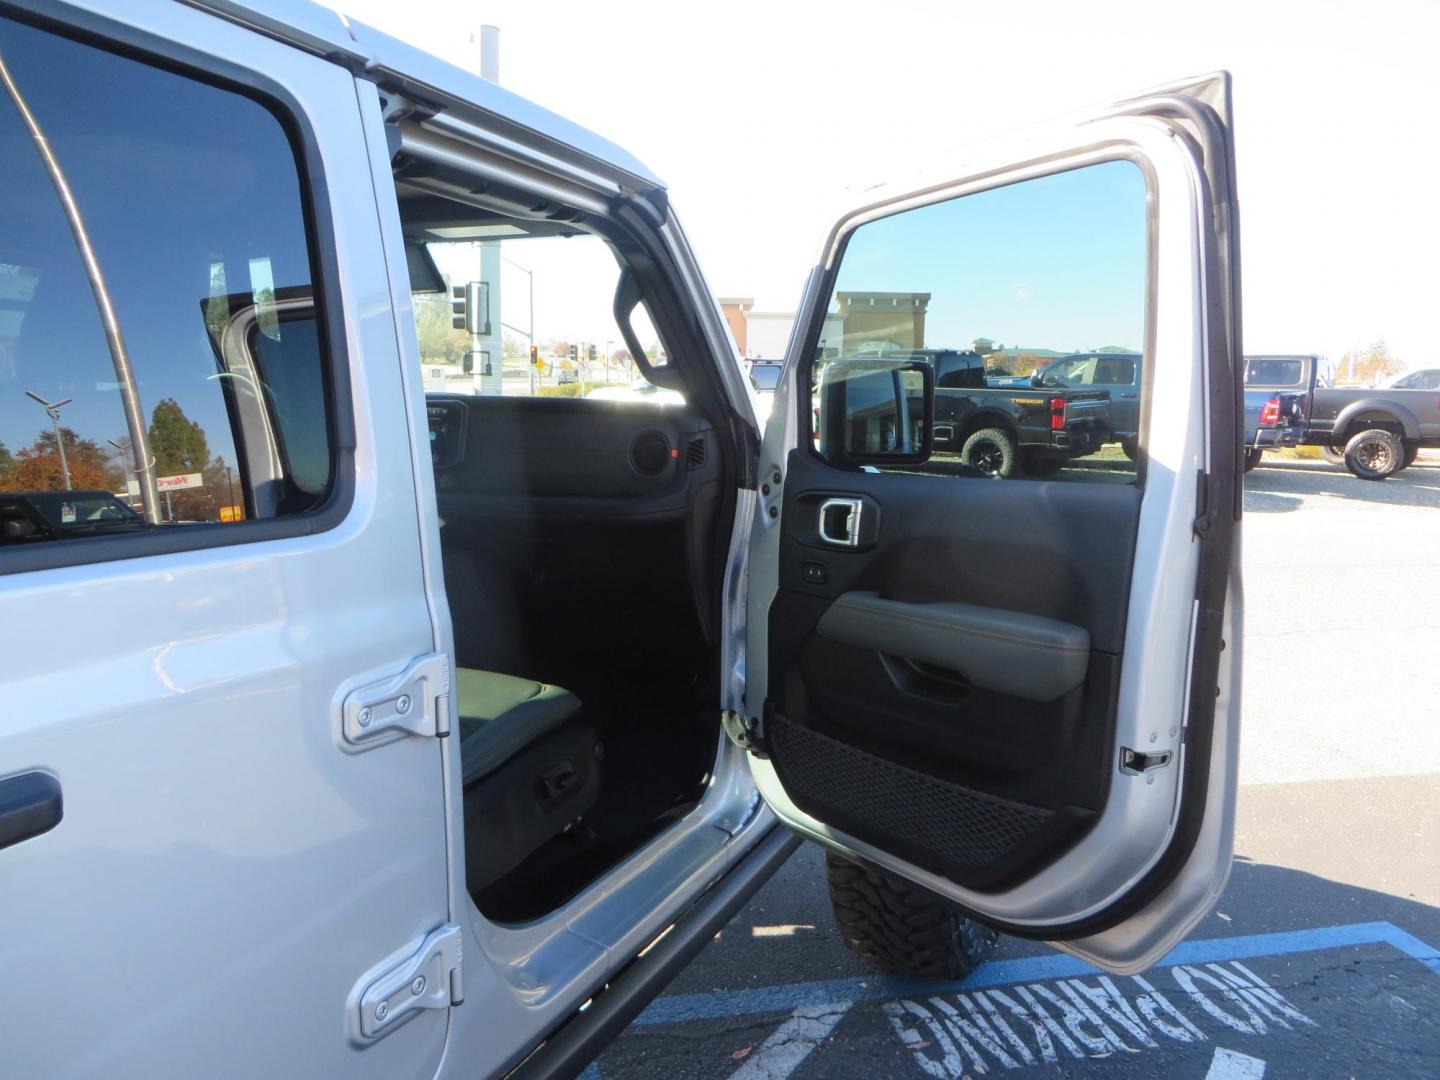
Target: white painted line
<point x="791" y="1043"/>
<point x="1229" y="1065"/>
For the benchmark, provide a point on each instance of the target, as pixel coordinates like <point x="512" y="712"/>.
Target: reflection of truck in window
<point x="1002" y="430"/>
<point x="62" y="515"/>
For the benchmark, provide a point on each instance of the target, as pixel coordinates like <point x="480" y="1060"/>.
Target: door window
<point x="1037" y="290"/>
<point x="190" y="197"/>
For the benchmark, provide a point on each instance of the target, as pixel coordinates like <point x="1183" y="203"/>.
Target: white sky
<point x="759" y="116"/>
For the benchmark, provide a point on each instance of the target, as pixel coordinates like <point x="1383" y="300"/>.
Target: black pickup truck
<point x="1374" y="432"/>
<point x="1004" y="430"/>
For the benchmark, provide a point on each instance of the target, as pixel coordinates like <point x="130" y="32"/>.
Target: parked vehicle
<point x="1419" y="379"/>
<point x="1272" y="420"/>
<point x="1002" y="430"/>
<point x="445" y="755"/>
<point x="1116" y="372"/>
<point x="1374" y="432"/>
<point x="55" y="515"/>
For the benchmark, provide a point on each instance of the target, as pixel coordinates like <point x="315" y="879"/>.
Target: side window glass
<point x="526" y="315"/>
<point x="190" y="198"/>
<point x="1027" y="306"/>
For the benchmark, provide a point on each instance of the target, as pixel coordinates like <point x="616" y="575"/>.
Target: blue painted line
<point x="685" y="1008"/>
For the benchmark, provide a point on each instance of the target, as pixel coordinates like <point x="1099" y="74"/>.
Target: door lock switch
<point x="814" y="573"/>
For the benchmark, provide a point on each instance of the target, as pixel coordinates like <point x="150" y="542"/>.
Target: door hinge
<point x="428" y="979"/>
<point x="744" y="732"/>
<point x="414" y="702"/>
<point x="1204" y="512"/>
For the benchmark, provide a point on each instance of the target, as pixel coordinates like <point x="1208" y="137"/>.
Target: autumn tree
<point x="440" y="342"/>
<point x="7" y="467"/>
<point x="1370" y="364"/>
<point x="37" y="467"/>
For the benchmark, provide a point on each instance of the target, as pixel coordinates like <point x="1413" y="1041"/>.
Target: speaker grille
<point x="878" y="800"/>
<point x="695" y="452"/>
<point x="649" y="453"/>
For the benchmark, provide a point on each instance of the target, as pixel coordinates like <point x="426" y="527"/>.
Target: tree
<point x="37" y="467"/>
<point x="440" y="342"/>
<point x="177" y="442"/>
<point x="1364" y="366"/>
<point x="7" y="466"/>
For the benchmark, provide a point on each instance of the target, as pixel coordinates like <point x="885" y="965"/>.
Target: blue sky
<point x="1056" y="263"/>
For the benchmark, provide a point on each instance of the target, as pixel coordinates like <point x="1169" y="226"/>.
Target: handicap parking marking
<point x="1215" y="1004"/>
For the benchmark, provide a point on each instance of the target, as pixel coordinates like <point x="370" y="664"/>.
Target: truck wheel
<point x="1252" y="458"/>
<point x="898" y="928"/>
<point x="1042" y="466"/>
<point x="1374" y="454"/>
<point x="1411" y="453"/>
<point x="1131" y="448"/>
<point x="1335" y="455"/>
<point x="992" y="451"/>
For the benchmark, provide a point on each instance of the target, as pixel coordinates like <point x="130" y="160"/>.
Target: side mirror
<point x="874" y="411"/>
<point x="1036" y="379"/>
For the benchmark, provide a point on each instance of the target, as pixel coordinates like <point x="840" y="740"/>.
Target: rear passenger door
<point x="220" y="824"/>
<point x="1013" y="692"/>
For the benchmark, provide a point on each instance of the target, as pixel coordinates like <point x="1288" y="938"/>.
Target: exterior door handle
<point x="30" y="804"/>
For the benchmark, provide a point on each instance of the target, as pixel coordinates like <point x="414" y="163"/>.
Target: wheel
<point x="992" y="451"/>
<point x="1335" y="455"/>
<point x="1374" y="454"/>
<point x="1411" y="453"/>
<point x="1041" y="466"/>
<point x="1252" y="458"/>
<point x="1131" y="448"/>
<point x="898" y="928"/>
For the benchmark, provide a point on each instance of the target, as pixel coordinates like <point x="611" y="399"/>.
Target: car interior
<point x="582" y="542"/>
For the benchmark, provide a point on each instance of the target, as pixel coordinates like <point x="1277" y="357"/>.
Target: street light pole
<point x="119" y="356"/>
<point x="124" y="449"/>
<point x="530" y="333"/>
<point x="52" y="410"/>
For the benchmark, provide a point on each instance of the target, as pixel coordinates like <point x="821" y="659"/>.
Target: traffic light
<point x="534" y="356"/>
<point x="574" y="353"/>
<point x="590" y="354"/>
<point x="471" y="306"/>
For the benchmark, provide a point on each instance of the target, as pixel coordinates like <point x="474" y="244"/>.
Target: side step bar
<point x="566" y="1052"/>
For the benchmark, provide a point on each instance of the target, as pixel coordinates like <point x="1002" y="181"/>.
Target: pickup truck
<point x="1374" y="433"/>
<point x="1002" y="430"/>
<point x="1272" y="419"/>
<point x="1115" y="372"/>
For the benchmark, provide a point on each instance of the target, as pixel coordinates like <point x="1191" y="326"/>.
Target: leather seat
<point x="501" y="715"/>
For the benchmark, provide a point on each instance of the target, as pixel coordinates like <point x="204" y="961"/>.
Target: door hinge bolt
<point x="402" y="704"/>
<point x="365" y="717"/>
<point x="382" y="1010"/>
<point x="1154" y="736"/>
<point x="418" y="986"/>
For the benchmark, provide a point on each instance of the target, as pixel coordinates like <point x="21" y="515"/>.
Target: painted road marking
<point x="782" y="1052"/>
<point x="1228" y="1065"/>
<point x="972" y="1032"/>
<point x="685" y="1008"/>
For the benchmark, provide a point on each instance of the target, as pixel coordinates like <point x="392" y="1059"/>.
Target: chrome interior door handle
<point x="840" y="522"/>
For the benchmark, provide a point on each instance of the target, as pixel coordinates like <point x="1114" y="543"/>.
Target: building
<point x="863" y="321"/>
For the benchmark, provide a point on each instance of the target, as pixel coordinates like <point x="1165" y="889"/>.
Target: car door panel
<point x="1007" y="693"/>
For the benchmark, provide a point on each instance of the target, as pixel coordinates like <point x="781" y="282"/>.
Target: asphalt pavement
<point x="1321" y="958"/>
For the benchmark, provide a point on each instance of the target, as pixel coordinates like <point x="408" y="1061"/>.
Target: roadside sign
<point x="170" y="483"/>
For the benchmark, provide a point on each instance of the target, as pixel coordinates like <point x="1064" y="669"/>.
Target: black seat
<point x="530" y="764"/>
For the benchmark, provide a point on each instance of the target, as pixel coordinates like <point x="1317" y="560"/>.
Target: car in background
<point x="764" y="376"/>
<point x="1375" y="433"/>
<point x="640" y="389"/>
<point x="59" y="515"/>
<point x="1420" y="379"/>
<point x="1117" y="372"/>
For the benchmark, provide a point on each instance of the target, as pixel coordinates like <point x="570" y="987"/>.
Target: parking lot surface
<point x="1319" y="961"/>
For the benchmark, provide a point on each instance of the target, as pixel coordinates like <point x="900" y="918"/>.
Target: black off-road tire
<point x="1411" y="453"/>
<point x="901" y="929"/>
<point x="1335" y="455"/>
<point x="1037" y="466"/>
<point x="993" y="452"/>
<point x="1253" y="458"/>
<point x="1131" y="447"/>
<point x="1375" y="454"/>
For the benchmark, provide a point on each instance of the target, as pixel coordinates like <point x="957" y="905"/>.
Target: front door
<point x="1013" y="692"/>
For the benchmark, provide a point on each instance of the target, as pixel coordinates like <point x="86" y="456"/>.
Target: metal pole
<point x="60" y="445"/>
<point x="119" y="357"/>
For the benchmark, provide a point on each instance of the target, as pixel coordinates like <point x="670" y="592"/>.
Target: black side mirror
<point x="875" y="411"/>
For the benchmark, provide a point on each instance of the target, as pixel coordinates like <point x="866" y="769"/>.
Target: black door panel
<point x="936" y="746"/>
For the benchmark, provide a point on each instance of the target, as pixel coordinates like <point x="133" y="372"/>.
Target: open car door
<point x="989" y="650"/>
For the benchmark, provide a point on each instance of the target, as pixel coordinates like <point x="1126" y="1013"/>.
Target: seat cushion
<point x="500" y="715"/>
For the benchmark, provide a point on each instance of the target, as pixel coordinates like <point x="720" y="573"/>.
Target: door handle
<point x="30" y="804"/>
<point x="840" y="522"/>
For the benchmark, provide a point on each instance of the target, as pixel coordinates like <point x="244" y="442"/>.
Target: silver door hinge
<point x="414" y="702"/>
<point x="744" y="733"/>
<point x="428" y="979"/>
